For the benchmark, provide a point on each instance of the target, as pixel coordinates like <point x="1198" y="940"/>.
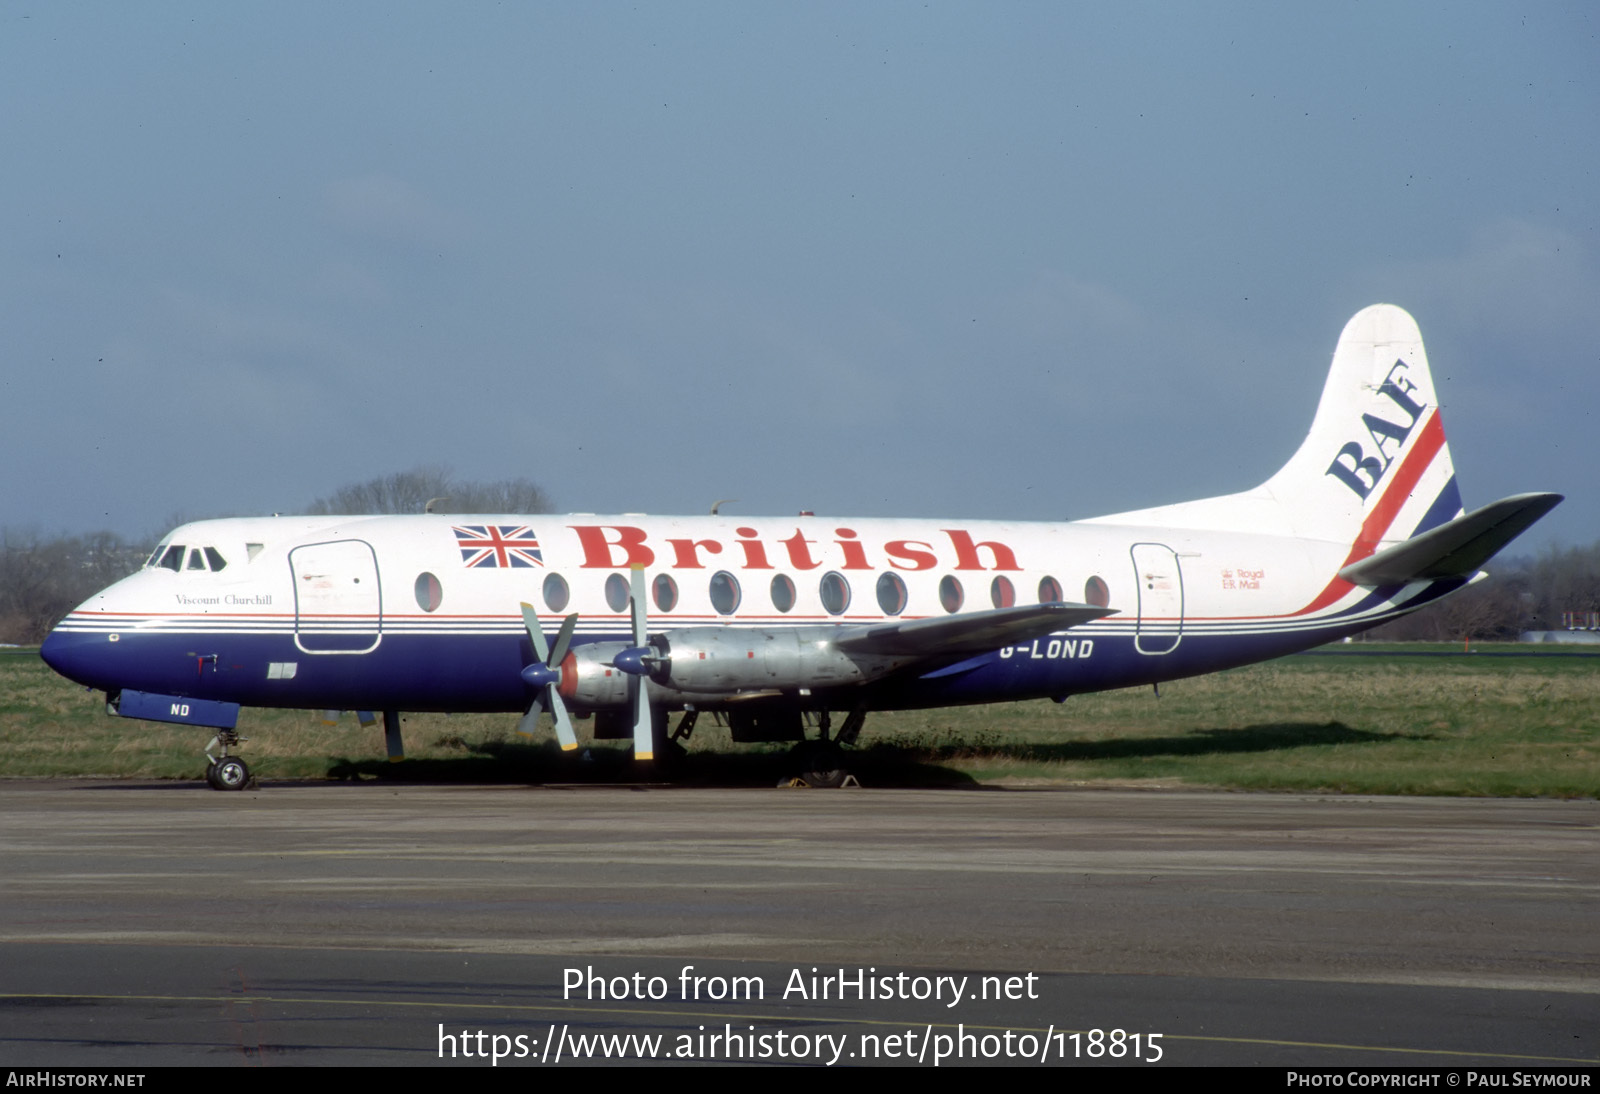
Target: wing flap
<point x="1454" y="549"/>
<point x="970" y="632"/>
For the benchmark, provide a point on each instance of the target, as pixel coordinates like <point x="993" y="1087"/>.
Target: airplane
<point x="775" y="623"/>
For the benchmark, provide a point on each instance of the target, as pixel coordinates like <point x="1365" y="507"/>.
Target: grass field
<point x="1387" y="722"/>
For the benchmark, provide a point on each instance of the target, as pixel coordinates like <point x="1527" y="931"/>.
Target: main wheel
<point x="211" y="776"/>
<point x="822" y="764"/>
<point x="230" y="773"/>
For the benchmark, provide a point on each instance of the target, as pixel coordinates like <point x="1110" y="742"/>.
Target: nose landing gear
<point x="226" y="772"/>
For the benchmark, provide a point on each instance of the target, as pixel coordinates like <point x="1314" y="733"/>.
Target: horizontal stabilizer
<point x="1456" y="548"/>
<point x="972" y="632"/>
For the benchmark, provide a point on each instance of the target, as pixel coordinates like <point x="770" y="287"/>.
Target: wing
<point x="970" y="632"/>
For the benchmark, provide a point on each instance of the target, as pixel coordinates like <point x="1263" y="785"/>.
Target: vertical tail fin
<point x="1375" y="467"/>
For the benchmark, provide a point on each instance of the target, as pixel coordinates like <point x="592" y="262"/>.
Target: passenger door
<point x="338" y="607"/>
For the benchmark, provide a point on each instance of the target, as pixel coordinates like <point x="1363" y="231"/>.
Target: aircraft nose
<point x="81" y="658"/>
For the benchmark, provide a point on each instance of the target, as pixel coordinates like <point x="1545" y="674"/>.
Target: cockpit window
<point x="171" y="557"/>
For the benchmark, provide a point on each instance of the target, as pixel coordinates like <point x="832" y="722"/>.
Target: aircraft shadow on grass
<point x="882" y="765"/>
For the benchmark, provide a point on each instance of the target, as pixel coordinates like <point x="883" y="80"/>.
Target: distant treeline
<point x="43" y="578"/>
<point x="1520" y="594"/>
<point x="436" y="490"/>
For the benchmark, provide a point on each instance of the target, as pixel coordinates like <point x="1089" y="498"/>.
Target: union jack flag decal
<point x="498" y="545"/>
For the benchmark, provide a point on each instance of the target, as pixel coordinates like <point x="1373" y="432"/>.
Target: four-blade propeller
<point x="545" y="675"/>
<point x="637" y="662"/>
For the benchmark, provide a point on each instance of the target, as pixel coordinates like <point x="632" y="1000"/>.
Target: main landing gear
<point x="225" y="772"/>
<point x="820" y="762"/>
<point x="823" y="764"/>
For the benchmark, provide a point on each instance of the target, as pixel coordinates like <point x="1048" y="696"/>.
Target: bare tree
<point x="506" y="496"/>
<point x="1492" y="610"/>
<point x="1565" y="581"/>
<point x="1520" y="594"/>
<point x="41" y="580"/>
<point x="401" y="492"/>
<point x="411" y="491"/>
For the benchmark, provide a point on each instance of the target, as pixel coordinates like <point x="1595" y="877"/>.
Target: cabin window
<point x="429" y="594"/>
<point x="214" y="557"/>
<point x="835" y="592"/>
<point x="1002" y="593"/>
<point x="891" y="594"/>
<point x="556" y="593"/>
<point x="1097" y="592"/>
<point x="617" y="593"/>
<point x="724" y="592"/>
<point x="950" y="594"/>
<point x="665" y="591"/>
<point x="782" y="593"/>
<point x="1050" y="591"/>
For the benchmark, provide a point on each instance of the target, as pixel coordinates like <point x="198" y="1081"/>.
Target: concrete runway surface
<point x="144" y="924"/>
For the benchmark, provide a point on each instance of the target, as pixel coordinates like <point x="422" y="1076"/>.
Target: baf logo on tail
<point x="1353" y="466"/>
<point x="795" y="629"/>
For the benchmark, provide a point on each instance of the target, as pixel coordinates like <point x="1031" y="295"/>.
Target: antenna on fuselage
<point x="719" y="504"/>
<point x="428" y="508"/>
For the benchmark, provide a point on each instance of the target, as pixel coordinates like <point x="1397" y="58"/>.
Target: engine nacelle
<point x="699" y="662"/>
<point x="589" y="680"/>
<point x="711" y="660"/>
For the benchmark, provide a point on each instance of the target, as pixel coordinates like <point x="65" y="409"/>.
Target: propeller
<point x="637" y="662"/>
<point x="545" y="674"/>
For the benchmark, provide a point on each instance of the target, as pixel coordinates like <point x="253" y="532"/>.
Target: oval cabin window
<point x="429" y="594"/>
<point x="891" y="594"/>
<point x="665" y="591"/>
<point x="617" y="593"/>
<point x="724" y="592"/>
<point x="1002" y="593"/>
<point x="951" y="594"/>
<point x="556" y="593"/>
<point x="783" y="593"/>
<point x="835" y="592"/>
<point x="1097" y="592"/>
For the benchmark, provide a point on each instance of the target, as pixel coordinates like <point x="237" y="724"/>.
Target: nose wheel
<point x="225" y="772"/>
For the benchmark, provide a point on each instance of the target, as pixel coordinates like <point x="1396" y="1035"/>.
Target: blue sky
<point x="1001" y="260"/>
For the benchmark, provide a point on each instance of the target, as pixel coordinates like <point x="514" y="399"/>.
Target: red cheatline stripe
<point x="1382" y="516"/>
